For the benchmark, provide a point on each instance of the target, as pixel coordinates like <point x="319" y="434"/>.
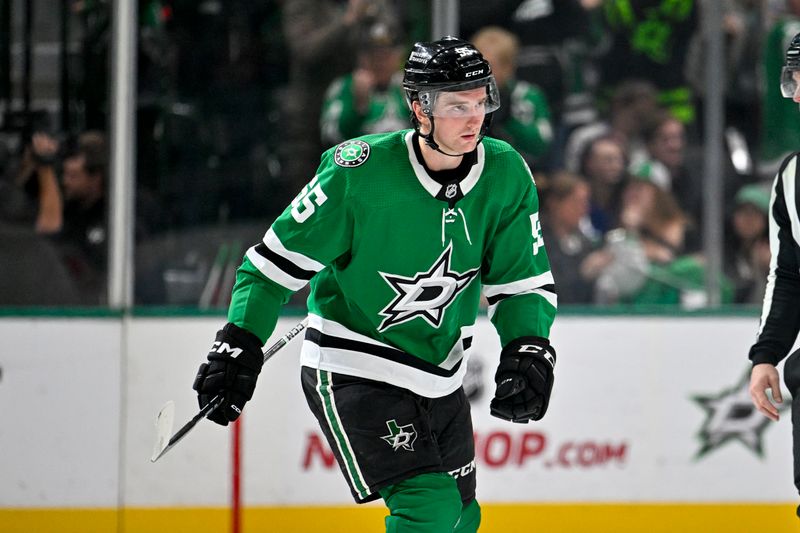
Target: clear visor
<point x="462" y="100"/>
<point x="788" y="82"/>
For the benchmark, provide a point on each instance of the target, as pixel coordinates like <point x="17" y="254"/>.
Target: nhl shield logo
<point x="451" y="190"/>
<point x="351" y="154"/>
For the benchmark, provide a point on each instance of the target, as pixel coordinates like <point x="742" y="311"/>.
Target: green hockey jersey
<point x="397" y="263"/>
<point x="527" y="125"/>
<point x="340" y="119"/>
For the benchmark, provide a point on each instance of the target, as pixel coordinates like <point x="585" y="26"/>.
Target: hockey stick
<point x="166" y="416"/>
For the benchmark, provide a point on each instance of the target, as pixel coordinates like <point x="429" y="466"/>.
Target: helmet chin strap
<point x="432" y="143"/>
<point x="487" y="121"/>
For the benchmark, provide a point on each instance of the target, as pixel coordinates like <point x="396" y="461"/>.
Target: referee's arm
<point x="780" y="316"/>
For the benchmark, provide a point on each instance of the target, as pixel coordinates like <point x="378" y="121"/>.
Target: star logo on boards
<point x="351" y="153"/>
<point x="400" y="436"/>
<point x="731" y="415"/>
<point x="427" y="294"/>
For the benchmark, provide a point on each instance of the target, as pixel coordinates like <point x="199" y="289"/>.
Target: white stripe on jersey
<point x="551" y="298"/>
<point x="773" y="262"/>
<point x="304" y="262"/>
<point x="789" y="185"/>
<point x="273" y="272"/>
<point x="355" y="363"/>
<point x="331" y="327"/>
<point x="520" y="286"/>
<point x="531" y="285"/>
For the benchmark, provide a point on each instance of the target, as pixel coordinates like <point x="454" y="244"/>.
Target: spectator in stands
<point x="574" y="256"/>
<point x="668" y="165"/>
<point x="31" y="211"/>
<point x="636" y="201"/>
<point x="625" y="271"/>
<point x="34" y="198"/>
<point x="370" y="99"/>
<point x="665" y="142"/>
<point x="74" y="215"/>
<point x="632" y="104"/>
<point x="747" y="252"/>
<point x="672" y="277"/>
<point x="321" y="36"/>
<point x="84" y="235"/>
<point x="604" y="164"/>
<point x="523" y="119"/>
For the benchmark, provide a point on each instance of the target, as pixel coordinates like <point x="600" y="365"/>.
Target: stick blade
<point x="164" y="423"/>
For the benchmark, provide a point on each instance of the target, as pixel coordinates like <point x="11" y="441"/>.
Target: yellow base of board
<point x="497" y="518"/>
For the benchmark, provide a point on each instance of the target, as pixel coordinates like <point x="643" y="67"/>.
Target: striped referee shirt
<point x="780" y="316"/>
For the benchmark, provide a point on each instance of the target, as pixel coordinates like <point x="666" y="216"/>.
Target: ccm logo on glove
<point x="540" y="350"/>
<point x="224" y="347"/>
<point x="524" y="380"/>
<point x="234" y="362"/>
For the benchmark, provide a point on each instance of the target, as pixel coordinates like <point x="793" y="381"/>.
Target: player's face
<point x="459" y="117"/>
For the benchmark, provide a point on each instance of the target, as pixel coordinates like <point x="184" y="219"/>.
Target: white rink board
<point x="59" y="412"/>
<point x="622" y="427"/>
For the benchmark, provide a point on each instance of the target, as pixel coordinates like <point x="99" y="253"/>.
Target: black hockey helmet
<point x="791" y="65"/>
<point x="447" y="65"/>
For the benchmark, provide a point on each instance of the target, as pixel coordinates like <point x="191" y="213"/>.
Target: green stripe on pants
<point x="331" y="415"/>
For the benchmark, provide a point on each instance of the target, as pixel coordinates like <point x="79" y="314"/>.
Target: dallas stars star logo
<point x="426" y="295"/>
<point x="731" y="415"/>
<point x="351" y="153"/>
<point x="400" y="436"/>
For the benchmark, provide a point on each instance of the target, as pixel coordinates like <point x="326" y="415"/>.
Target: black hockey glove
<point x="524" y="380"/>
<point x="234" y="363"/>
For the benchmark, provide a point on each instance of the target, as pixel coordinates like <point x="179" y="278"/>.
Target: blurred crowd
<point x="236" y="101"/>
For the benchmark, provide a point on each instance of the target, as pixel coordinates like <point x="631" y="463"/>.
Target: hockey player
<point x="398" y="234"/>
<point x="780" y="317"/>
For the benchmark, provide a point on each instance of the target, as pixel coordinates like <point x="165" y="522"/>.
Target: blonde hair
<point x="503" y="42"/>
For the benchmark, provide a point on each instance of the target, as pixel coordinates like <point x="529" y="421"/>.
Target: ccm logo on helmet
<point x="474" y="73"/>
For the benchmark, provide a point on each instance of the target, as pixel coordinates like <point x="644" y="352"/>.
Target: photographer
<point x="33" y="196"/>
